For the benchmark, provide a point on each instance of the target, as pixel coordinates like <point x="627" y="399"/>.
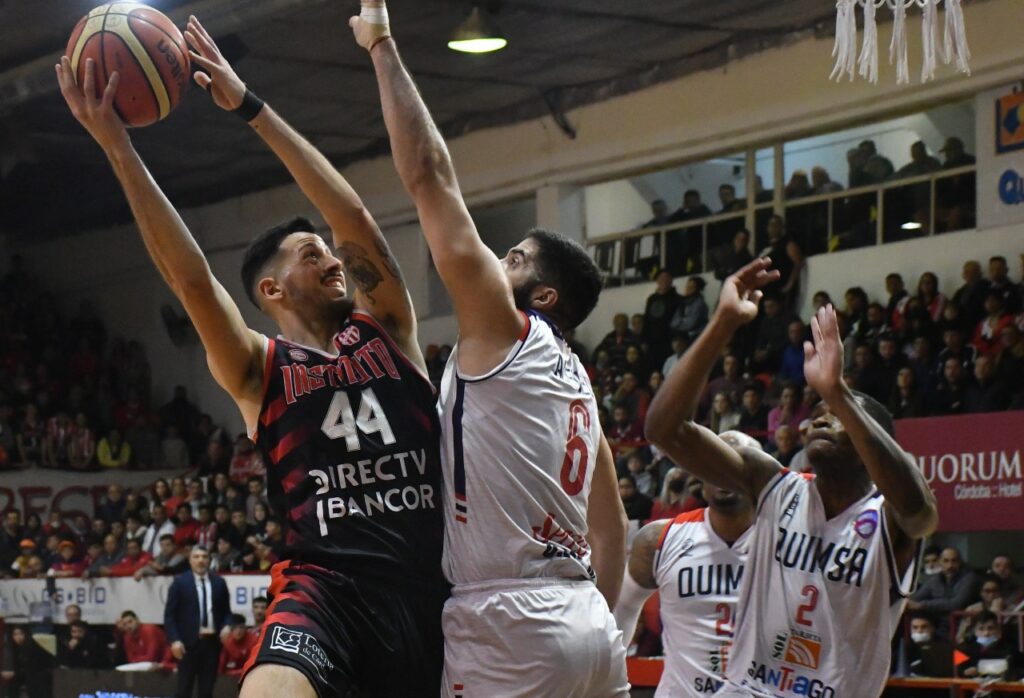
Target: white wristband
<point x="374" y="15"/>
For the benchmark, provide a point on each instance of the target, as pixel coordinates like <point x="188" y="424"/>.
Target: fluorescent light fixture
<point x="477" y="35"/>
<point x="911" y="225"/>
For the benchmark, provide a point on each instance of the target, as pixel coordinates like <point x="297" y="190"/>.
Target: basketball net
<point x="952" y="47"/>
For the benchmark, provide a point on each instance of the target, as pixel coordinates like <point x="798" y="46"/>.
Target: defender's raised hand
<point x="223" y="84"/>
<point x="372" y="25"/>
<point x="823" y="359"/>
<point x="742" y="292"/>
<point x="96" y="114"/>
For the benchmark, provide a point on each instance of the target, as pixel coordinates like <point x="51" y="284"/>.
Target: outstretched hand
<point x="823" y="359"/>
<point x="742" y="292"/>
<point x="223" y="84"/>
<point x="371" y="26"/>
<point x="96" y="114"/>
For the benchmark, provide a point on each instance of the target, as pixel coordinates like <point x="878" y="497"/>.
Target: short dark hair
<point x="986" y="616"/>
<point x="78" y="624"/>
<point x="129" y="614"/>
<point x="166" y="536"/>
<point x="260" y="599"/>
<point x="997" y="258"/>
<point x="564" y="265"/>
<point x="263" y="249"/>
<point x="877" y="411"/>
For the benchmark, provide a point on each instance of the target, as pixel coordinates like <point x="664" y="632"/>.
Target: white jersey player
<point x="696" y="564"/>
<point x="532" y="512"/>
<point x="832" y="554"/>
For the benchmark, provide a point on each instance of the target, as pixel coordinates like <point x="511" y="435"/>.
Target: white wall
<point x="778" y="94"/>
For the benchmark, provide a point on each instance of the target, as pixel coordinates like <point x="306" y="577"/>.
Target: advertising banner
<point x="973" y="465"/>
<point x="104" y="599"/>
<point x="999" y="122"/>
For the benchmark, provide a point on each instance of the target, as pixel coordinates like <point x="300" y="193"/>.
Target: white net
<point x="952" y="48"/>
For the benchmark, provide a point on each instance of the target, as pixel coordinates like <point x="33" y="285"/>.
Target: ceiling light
<point x="477" y="35"/>
<point x="911" y="225"/>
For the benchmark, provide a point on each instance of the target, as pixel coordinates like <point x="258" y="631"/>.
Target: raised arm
<point x="488" y="321"/>
<point x="234" y="352"/>
<point x="370" y="266"/>
<point x="606" y="524"/>
<point x="908" y="498"/>
<point x="671" y="421"/>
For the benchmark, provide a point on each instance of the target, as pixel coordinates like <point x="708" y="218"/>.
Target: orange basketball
<point x="141" y="44"/>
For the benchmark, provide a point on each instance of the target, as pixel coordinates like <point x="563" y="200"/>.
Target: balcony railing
<point x="893" y="211"/>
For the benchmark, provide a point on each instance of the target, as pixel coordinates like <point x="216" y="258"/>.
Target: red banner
<point x="973" y="465"/>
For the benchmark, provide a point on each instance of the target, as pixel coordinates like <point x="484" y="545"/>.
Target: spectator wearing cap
<point x="27" y="548"/>
<point x="236" y="648"/>
<point x="955" y="154"/>
<point x="68" y="563"/>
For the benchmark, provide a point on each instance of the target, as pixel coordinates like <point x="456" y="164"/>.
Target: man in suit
<point x="198" y="607"/>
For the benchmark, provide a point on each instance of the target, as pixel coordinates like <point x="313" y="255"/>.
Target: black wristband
<point x="250" y="107"/>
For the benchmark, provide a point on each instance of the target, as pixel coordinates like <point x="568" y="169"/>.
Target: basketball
<point x="141" y="44"/>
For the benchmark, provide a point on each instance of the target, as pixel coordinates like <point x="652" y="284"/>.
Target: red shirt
<point x="126" y="566"/>
<point x="186" y="533"/>
<point x="148" y="644"/>
<point x="234" y="653"/>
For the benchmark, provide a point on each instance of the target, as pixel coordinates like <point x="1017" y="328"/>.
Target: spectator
<point x="999" y="281"/>
<point x="794" y="291"/>
<point x="633" y="397"/>
<point x="240" y="530"/>
<point x="856" y="309"/>
<point x="134" y="529"/>
<point x="772" y="337"/>
<point x="692" y="207"/>
<point x="160" y="527"/>
<point x="730" y="204"/>
<point x="1002" y="569"/>
<point x="636" y="364"/>
<point x="639" y="469"/>
<point x="237" y="647"/>
<point x="57" y="441"/>
<point x="776" y="249"/>
<point x="789" y="412"/>
<point x="754" y="415"/>
<point x="226" y="557"/>
<point x="895" y="311"/>
<point x="186" y="530"/>
<point x="617" y="341"/>
<point x="113" y="451"/>
<point x="955" y="348"/>
<point x="654" y="382"/>
<point x="134" y="559"/>
<point x="167" y="561"/>
<point x="217" y="457"/>
<point x="950" y="396"/>
<point x="951" y="590"/>
<point x="68" y="563"/>
<point x="987" y="394"/>
<point x="730" y="260"/>
<point x="724" y="416"/>
<point x="988" y="644"/>
<point x="112" y="507"/>
<point x="174" y="449"/>
<point x="141" y="642"/>
<point x="30" y="438"/>
<point x="179" y="413"/>
<point x="921" y="163"/>
<point x="624" y="434"/>
<point x="1010" y="359"/>
<point x="680" y="343"/>
<point x="906" y="401"/>
<point x="822" y="182"/>
<point x="970" y="297"/>
<point x="658" y="312"/>
<point x="928" y="292"/>
<point x="786" y="445"/>
<point x="103" y="565"/>
<point x="659" y="214"/>
<point x="857" y="175"/>
<point x="198" y="608"/>
<point x="928" y="655"/>
<point x="637" y="505"/>
<point x="29" y="667"/>
<point x="799" y="185"/>
<point x="80" y="649"/>
<point x="954" y="153"/>
<point x="878" y="167"/>
<point x="673" y="499"/>
<point x="989" y="330"/>
<point x="990" y="598"/>
<point x="791" y="368"/>
<point x="82" y="446"/>
<point x="875" y="324"/>
<point x="179" y="495"/>
<point x="691" y="315"/>
<point x="930" y="563"/>
<point x="731" y="382"/>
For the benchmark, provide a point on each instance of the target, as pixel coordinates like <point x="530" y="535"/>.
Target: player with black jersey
<point x="339" y="404"/>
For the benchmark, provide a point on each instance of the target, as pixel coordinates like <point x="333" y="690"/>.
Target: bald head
<point x="950" y="561"/>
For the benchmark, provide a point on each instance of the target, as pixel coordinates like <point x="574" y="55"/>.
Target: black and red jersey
<point x="351" y="443"/>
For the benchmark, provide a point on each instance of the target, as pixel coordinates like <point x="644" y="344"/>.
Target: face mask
<point x="933" y="569"/>
<point x="920" y="638"/>
<point x="987" y="640"/>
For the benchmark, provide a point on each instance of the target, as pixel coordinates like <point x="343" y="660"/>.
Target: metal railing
<point x="892" y="211"/>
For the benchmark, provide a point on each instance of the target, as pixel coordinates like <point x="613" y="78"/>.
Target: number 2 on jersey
<point x="576" y="455"/>
<point x="811" y="593"/>
<point x="723" y="620"/>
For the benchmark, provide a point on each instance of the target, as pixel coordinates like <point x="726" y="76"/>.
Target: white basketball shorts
<point x="542" y="638"/>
